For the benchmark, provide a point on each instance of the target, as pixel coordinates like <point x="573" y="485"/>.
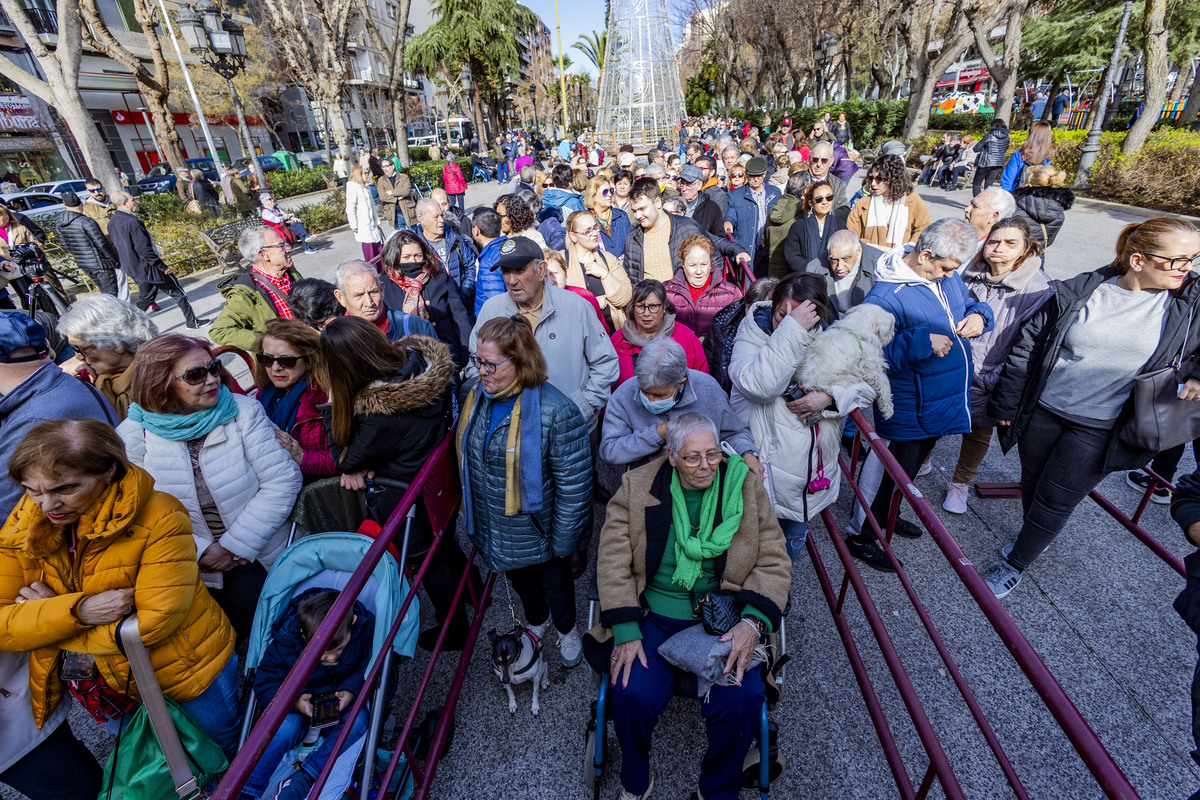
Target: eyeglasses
<point x="825" y="198"/>
<point x="287" y="362"/>
<point x="487" y="367"/>
<point x="1185" y="262"/>
<point x="592" y="231"/>
<point x="197" y="375"/>
<point x="713" y="458"/>
<point x="822" y="160"/>
<point x="874" y="179"/>
<point x="648" y="308"/>
<point x="284" y="245"/>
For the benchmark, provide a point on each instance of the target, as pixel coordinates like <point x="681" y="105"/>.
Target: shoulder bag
<point x="1160" y="419"/>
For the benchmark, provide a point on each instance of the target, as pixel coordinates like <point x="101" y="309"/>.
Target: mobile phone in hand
<point x="326" y="710"/>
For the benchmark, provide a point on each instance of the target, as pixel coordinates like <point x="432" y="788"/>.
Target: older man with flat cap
<point x="749" y="206"/>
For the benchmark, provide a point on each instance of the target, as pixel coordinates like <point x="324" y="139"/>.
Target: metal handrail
<point x="1091" y="750"/>
<point x="272" y="717"/>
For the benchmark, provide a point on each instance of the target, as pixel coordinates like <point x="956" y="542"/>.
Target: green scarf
<point x="692" y="547"/>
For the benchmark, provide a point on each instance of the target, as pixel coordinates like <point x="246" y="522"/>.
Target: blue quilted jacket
<point x="508" y="543"/>
<point x="931" y="394"/>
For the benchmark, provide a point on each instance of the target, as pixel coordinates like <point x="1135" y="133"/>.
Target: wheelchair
<point x="764" y="762"/>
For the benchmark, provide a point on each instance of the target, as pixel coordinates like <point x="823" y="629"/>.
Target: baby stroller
<point x="327" y="560"/>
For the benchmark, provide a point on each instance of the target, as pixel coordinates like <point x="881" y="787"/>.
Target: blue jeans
<point x="795" y="533"/>
<point x="502" y="173"/>
<point x="290" y="734"/>
<point x="731" y="715"/>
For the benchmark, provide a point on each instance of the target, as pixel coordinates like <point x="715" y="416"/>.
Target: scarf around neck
<point x="639" y="340"/>
<point x="281" y="404"/>
<point x="523" y="484"/>
<point x="709" y="540"/>
<point x="187" y="427"/>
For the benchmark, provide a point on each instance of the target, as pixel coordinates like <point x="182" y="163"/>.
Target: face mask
<point x="657" y="407"/>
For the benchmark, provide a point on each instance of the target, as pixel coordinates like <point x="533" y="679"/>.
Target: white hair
<point x="998" y="200"/>
<point x="662" y="363"/>
<point x="845" y="239"/>
<point x="424" y="203"/>
<point x="952" y="239"/>
<point x="822" y="146"/>
<point x="684" y="425"/>
<point x="354" y="266"/>
<point x="107" y="323"/>
<point x="251" y="242"/>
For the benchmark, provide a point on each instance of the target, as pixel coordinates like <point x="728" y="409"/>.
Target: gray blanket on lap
<point x="704" y="655"/>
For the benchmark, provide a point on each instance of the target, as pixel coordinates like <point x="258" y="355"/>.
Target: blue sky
<point x="576" y="18"/>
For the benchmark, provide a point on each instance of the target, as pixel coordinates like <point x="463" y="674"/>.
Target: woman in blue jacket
<point x="1038" y="149"/>
<point x="929" y="359"/>
<point x="614" y="223"/>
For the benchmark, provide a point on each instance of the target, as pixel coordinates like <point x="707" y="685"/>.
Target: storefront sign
<point x="17" y="114"/>
<point x="138" y="118"/>
<point x="964" y="79"/>
<point x="20" y="144"/>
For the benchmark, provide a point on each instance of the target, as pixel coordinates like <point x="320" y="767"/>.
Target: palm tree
<point x="592" y="45"/>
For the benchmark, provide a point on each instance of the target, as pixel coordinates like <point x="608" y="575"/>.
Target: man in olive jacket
<point x="254" y="298"/>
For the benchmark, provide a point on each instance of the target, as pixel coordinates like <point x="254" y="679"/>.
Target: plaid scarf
<point x="414" y="299"/>
<point x="278" y="300"/>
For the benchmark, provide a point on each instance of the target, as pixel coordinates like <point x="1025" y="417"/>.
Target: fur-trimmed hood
<point x="1031" y="196"/>
<point x="422" y="380"/>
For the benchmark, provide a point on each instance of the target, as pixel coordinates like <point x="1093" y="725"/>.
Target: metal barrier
<point x="1095" y="756"/>
<point x="435" y="485"/>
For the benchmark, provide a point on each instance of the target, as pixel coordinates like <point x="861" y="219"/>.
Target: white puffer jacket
<point x="762" y="366"/>
<point x="252" y="479"/>
<point x="361" y="213"/>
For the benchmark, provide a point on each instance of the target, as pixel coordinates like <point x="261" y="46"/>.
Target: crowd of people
<point x="711" y="354"/>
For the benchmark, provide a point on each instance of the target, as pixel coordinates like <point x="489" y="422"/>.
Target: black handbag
<point x="1160" y="419"/>
<point x="717" y="611"/>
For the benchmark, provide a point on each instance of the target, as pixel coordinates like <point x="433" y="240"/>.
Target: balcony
<point x="356" y="42"/>
<point x="363" y="77"/>
<point x="45" y="20"/>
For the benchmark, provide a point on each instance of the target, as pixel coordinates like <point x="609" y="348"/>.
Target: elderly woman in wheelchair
<point x="693" y="574"/>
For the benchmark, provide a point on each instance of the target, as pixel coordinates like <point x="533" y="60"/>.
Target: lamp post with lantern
<point x="533" y="103"/>
<point x="220" y="42"/>
<point x="826" y="53"/>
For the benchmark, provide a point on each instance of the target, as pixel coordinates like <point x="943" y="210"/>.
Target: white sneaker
<point x="926" y="468"/>
<point x="630" y="796"/>
<point x="571" y="648"/>
<point x="540" y="630"/>
<point x="1003" y="579"/>
<point x="956" y="498"/>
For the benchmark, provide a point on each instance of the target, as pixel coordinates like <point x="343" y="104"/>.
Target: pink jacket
<point x="309" y="432"/>
<point x="452" y="178"/>
<point x="682" y="334"/>
<point x="698" y="315"/>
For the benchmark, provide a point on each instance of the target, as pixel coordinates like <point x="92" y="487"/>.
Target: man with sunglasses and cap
<point x="699" y="206"/>
<point x="140" y="261"/>
<point x="254" y="298"/>
<point x="32" y="390"/>
<point x="712" y="183"/>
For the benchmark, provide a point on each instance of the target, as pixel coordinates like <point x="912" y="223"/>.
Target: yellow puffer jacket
<point x="132" y="537"/>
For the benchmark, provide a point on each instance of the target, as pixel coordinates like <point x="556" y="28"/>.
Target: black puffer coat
<point x="993" y="148"/>
<point x="718" y="344"/>
<point x="87" y="244"/>
<point x="1044" y="208"/>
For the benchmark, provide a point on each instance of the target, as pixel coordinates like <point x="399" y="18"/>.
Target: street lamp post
<point x="1087" y="154"/>
<point x="533" y="102"/>
<point x="221" y="44"/>
<point x="826" y="53"/>
<point x="146" y="118"/>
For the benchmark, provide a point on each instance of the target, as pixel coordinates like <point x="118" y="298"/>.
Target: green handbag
<point x="137" y="768"/>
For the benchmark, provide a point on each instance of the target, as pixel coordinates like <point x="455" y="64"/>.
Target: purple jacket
<point x="698" y="315"/>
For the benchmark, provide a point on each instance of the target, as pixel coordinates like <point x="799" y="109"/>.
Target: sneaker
<point x="296" y="787"/>
<point x="956" y="498"/>
<point x="907" y="529"/>
<point x="540" y="630"/>
<point x="627" y="795"/>
<point x="1141" y="481"/>
<point x="1003" y="578"/>
<point x="1006" y="551"/>
<point x="200" y="323"/>
<point x="867" y="550"/>
<point x="570" y="647"/>
<point x="926" y="468"/>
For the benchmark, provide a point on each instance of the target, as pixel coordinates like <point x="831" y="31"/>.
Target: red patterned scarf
<point x="414" y="299"/>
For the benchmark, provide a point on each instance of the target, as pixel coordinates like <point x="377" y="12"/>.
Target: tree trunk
<point x="1003" y="70"/>
<point x="1048" y="111"/>
<point x="1192" y="109"/>
<point x="1154" y="25"/>
<point x="925" y="71"/>
<point x="1185" y="71"/>
<point x="244" y="130"/>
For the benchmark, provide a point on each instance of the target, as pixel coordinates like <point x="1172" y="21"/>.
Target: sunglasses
<point x="607" y="192"/>
<point x="874" y="179"/>
<point x="287" y="362"/>
<point x="822" y="160"/>
<point x="825" y="198"/>
<point x="741" y="175"/>
<point x="197" y="375"/>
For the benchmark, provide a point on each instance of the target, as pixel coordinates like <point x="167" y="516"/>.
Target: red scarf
<point x="414" y="300"/>
<point x="697" y="292"/>
<point x="284" y="284"/>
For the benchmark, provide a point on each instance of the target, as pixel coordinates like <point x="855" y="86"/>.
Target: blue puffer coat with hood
<point x="931" y="394"/>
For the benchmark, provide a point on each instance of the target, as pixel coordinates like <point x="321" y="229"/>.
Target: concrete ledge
<point x="1136" y="211"/>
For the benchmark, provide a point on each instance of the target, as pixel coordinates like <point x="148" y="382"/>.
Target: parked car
<point x="312" y="160"/>
<point x="160" y="178"/>
<point x="57" y="187"/>
<point x="33" y="204"/>
<point x="267" y="163"/>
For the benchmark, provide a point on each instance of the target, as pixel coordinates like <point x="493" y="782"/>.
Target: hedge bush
<point x="431" y="172"/>
<point x="299" y="181"/>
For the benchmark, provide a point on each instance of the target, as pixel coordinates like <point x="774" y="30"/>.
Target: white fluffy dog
<point x="850" y="350"/>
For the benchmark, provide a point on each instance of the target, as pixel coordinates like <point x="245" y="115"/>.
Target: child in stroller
<point x="328" y="692"/>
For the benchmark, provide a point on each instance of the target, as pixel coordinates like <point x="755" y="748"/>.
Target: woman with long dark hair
<point x="415" y="282"/>
<point x="892" y="214"/>
<point x="389" y="408"/>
